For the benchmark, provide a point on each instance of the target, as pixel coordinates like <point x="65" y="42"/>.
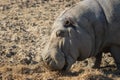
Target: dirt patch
<point x="25" y="26"/>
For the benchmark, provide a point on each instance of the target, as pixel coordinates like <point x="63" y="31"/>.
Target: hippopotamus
<point x="84" y="30"/>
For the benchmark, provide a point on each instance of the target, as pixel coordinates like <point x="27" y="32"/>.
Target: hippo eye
<point x="67" y="23"/>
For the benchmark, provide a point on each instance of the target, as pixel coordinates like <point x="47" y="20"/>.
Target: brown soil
<point x="25" y="27"/>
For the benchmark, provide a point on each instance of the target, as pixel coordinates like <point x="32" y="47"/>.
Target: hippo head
<point x="68" y="43"/>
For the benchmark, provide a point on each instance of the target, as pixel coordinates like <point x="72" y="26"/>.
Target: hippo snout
<point x="53" y="61"/>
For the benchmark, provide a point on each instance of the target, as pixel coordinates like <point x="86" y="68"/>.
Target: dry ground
<point x="25" y="27"/>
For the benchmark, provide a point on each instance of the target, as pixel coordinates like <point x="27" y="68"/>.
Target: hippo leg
<point x="97" y="61"/>
<point x="115" y="52"/>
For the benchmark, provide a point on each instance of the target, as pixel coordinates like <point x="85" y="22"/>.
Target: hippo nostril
<point x="48" y="59"/>
<point x="60" y="33"/>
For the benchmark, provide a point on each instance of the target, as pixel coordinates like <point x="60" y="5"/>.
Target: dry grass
<point x="25" y="27"/>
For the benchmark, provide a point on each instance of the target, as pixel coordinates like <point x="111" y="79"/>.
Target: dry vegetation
<point x="24" y="29"/>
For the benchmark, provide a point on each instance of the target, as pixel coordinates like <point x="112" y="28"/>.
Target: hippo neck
<point x="97" y="25"/>
<point x="93" y="20"/>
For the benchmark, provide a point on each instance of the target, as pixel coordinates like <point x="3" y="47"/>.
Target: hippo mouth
<point x="67" y="63"/>
<point x="61" y="46"/>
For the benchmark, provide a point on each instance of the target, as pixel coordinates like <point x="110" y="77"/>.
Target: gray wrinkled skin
<point x="82" y="31"/>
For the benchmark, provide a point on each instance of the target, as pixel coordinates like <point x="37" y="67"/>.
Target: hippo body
<point x="82" y="31"/>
